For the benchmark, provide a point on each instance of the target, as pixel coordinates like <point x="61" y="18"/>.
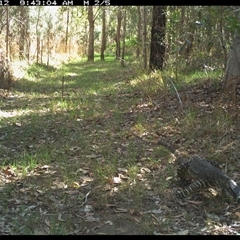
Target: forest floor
<point x="71" y="163"/>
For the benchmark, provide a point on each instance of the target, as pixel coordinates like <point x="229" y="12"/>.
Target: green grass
<point x="61" y="143"/>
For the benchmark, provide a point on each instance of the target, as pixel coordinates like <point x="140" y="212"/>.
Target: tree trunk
<point x="38" y="35"/>
<point x="139" y="31"/>
<point x="38" y="48"/>
<point x="144" y="38"/>
<point x="67" y="30"/>
<point x="22" y="26"/>
<point x="222" y="37"/>
<point x="27" y="35"/>
<point x="118" y="34"/>
<point x="123" y="34"/>
<point x="157" y="52"/>
<point x="7" y="34"/>
<point x="85" y="39"/>
<point x="232" y="72"/>
<point x="103" y="46"/>
<point x="48" y="45"/>
<point x="91" y="34"/>
<point x="41" y="51"/>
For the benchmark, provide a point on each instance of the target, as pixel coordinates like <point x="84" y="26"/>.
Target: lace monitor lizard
<point x="204" y="173"/>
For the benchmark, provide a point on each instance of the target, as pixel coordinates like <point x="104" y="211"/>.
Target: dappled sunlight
<point x="118" y="120"/>
<point x="74" y="143"/>
<point x="10" y="114"/>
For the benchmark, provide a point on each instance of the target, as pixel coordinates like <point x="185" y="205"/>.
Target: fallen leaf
<point x="156" y="233"/>
<point x="138" y="220"/>
<point x="76" y="184"/>
<point x="154" y="211"/>
<point x="111" y="205"/>
<point x="178" y="216"/>
<point x="86" y="179"/>
<point x="117" y="180"/>
<point x="195" y="202"/>
<point x="132" y="211"/>
<point x="9" y="171"/>
<point x="82" y="170"/>
<point x="91" y="156"/>
<point x="47" y="222"/>
<point x="144" y="169"/>
<point x="108" y="222"/>
<point x="90" y="218"/>
<point x="169" y="178"/>
<point x="123" y="176"/>
<point x="45" y="167"/>
<point x="60" y="218"/>
<point x="122" y="170"/>
<point x="18" y="124"/>
<point x="121" y="210"/>
<point x="184" y="232"/>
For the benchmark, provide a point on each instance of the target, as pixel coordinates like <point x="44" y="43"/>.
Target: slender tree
<point x="139" y="25"/>
<point x="124" y="34"/>
<point x="7" y="32"/>
<point x="27" y="35"/>
<point x="22" y="27"/>
<point x="67" y="30"/>
<point x="91" y="34"/>
<point x="38" y="33"/>
<point x="91" y="20"/>
<point x="103" y="46"/>
<point x="118" y="34"/>
<point x="157" y="51"/>
<point x="144" y="38"/>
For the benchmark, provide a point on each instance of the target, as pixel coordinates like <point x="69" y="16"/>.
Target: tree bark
<point x="157" y="52"/>
<point x="7" y="33"/>
<point x="38" y="35"/>
<point x="118" y="34"/>
<point x="91" y="34"/>
<point x="103" y="46"/>
<point x="27" y="35"/>
<point x="22" y="26"/>
<point x="232" y="73"/>
<point x="124" y="34"/>
<point x="139" y="32"/>
<point x="67" y="30"/>
<point x="144" y="38"/>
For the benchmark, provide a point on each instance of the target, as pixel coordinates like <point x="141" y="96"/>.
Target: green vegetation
<point x="70" y="163"/>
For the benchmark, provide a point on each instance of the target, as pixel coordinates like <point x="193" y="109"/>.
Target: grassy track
<point x="71" y="165"/>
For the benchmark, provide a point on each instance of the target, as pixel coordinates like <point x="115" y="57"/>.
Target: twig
<point x="180" y="101"/>
<point x="85" y="198"/>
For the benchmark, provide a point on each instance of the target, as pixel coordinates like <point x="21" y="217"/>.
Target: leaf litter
<point x="129" y="200"/>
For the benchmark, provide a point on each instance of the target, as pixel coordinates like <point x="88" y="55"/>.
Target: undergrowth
<point x="67" y="143"/>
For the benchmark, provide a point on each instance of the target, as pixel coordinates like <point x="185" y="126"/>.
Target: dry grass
<point x="72" y="165"/>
